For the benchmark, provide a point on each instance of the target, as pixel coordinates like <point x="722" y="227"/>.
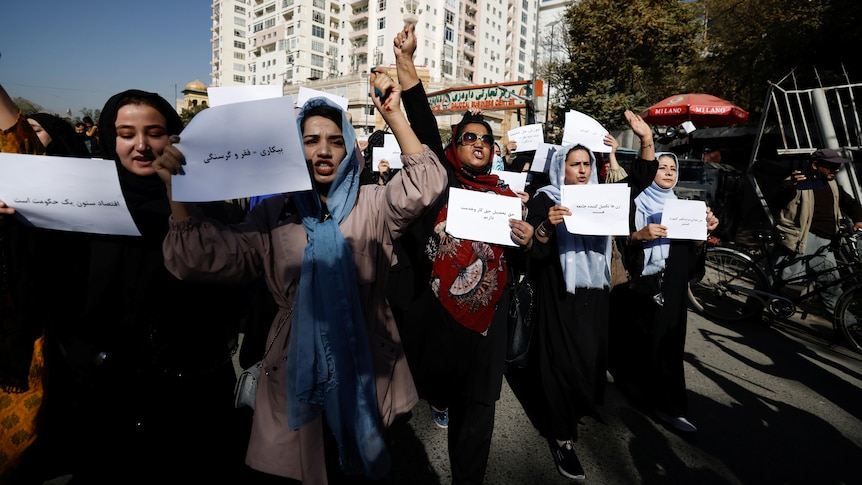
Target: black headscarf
<point x="146" y="197"/>
<point x="64" y="141"/>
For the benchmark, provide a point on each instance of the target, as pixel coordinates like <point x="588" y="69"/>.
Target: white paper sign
<point x="389" y="141"/>
<point x="221" y="95"/>
<point x="242" y="150"/>
<point x="584" y="130"/>
<point x="542" y="158"/>
<point x="684" y="219"/>
<point x="482" y="216"/>
<point x="597" y="209"/>
<point x="390" y="154"/>
<point x="516" y="180"/>
<point x="528" y="137"/>
<point x="68" y="194"/>
<point x="307" y="93"/>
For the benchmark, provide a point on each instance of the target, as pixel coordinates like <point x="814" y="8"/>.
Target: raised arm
<point x="644" y="133"/>
<point x="404" y="48"/>
<point x="390" y="109"/>
<point x="414" y="98"/>
<point x="615" y="171"/>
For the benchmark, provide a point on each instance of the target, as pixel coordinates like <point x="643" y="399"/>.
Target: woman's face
<point x="324" y="148"/>
<point x="43" y="135"/>
<point x="578" y="167"/>
<point x="666" y="175"/>
<point x="142" y="136"/>
<point x="478" y="155"/>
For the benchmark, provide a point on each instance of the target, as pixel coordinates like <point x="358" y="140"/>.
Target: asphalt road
<point x="775" y="404"/>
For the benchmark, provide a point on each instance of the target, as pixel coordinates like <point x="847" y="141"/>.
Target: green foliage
<point x="623" y="54"/>
<point x="630" y="54"/>
<point x="187" y="114"/>
<point x="27" y="107"/>
<point x="750" y="43"/>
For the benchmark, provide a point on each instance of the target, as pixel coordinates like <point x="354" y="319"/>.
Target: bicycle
<point x="739" y="284"/>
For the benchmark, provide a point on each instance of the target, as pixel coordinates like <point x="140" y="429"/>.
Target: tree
<point x="27" y="107"/>
<point x="188" y="113"/>
<point x="748" y="44"/>
<point x="624" y="54"/>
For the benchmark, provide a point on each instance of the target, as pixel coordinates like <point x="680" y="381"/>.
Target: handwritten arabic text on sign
<point x="482" y="216"/>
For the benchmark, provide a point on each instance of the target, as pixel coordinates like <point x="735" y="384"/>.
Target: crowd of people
<point x="117" y="351"/>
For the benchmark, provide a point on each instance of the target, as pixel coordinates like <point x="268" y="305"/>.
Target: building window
<point x="239" y="9"/>
<point x="318" y="31"/>
<point x="238" y="67"/>
<point x="316" y="74"/>
<point x="239" y="55"/>
<point x="239" y="79"/>
<point x="381" y="23"/>
<point x="239" y="45"/>
<point x="257" y="27"/>
<point x="316" y="60"/>
<point x="450" y="17"/>
<point x="239" y="21"/>
<point x="381" y="5"/>
<point x="318" y="17"/>
<point x="447" y="67"/>
<point x="289" y="30"/>
<point x="317" y="45"/>
<point x="449" y="34"/>
<point x="270" y="23"/>
<point x="318" y="4"/>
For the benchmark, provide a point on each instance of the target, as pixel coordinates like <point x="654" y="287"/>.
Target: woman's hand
<point x="6" y="213"/>
<point x="612" y="142"/>
<point x="170" y="162"/>
<point x="711" y="220"/>
<point x="650" y="232"/>
<point x="638" y="125"/>
<point x="522" y="232"/>
<point x="557" y="213"/>
<point x="525" y="197"/>
<point x="385" y="93"/>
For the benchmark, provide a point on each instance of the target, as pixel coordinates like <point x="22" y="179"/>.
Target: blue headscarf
<point x="649" y="205"/>
<point x="329" y="365"/>
<point x="586" y="260"/>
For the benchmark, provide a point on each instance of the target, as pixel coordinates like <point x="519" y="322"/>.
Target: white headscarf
<point x="586" y="260"/>
<point x="649" y="205"/>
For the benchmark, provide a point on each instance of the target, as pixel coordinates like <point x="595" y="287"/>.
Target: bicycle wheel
<point x="848" y="313"/>
<point x="725" y="291"/>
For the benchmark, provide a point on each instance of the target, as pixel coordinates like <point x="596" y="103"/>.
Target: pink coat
<point x="206" y="250"/>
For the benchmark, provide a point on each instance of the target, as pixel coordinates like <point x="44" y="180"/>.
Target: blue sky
<point x="61" y="54"/>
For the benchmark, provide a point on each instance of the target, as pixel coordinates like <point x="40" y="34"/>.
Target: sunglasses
<point x="469" y="138"/>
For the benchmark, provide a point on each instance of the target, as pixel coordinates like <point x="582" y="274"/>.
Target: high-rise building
<point x="331" y="43"/>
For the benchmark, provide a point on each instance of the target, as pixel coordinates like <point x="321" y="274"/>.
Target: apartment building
<point x="330" y="44"/>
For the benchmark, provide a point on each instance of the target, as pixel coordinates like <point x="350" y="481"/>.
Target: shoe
<point x="567" y="460"/>
<point x="678" y="423"/>
<point x="441" y="418"/>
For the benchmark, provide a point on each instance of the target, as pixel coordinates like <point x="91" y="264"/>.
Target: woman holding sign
<point x="334" y="365"/>
<point x="649" y="317"/>
<point x="568" y="353"/>
<point x="458" y="318"/>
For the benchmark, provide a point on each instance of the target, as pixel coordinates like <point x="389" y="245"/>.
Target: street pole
<point x="531" y="103"/>
<point x="553" y="25"/>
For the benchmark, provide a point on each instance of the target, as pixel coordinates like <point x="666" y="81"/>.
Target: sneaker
<point x="678" y="423"/>
<point x="441" y="418"/>
<point x="567" y="460"/>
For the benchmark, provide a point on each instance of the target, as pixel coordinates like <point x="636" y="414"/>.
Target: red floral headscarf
<point x="467" y="276"/>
